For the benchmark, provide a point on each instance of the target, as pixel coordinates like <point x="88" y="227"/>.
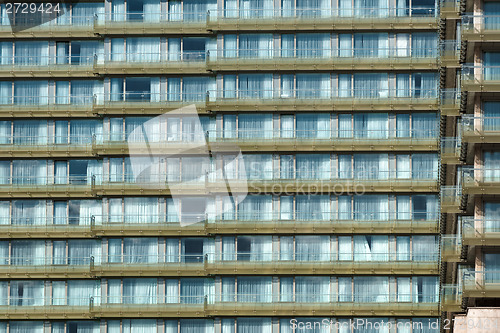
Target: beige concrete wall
<point x="478" y="320"/>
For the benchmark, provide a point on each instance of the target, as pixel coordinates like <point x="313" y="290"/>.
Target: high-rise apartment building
<point x="336" y="108"/>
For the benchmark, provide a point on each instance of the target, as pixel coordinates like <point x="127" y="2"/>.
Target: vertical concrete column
<point x="478" y="216"/>
<point x="478" y="164"/>
<point x="477" y="10"/>
<point x="478" y="63"/>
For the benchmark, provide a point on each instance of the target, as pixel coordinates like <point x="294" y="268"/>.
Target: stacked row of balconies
<point x="469" y="183"/>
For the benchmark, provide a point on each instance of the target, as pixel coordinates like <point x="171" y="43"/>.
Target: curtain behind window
<point x="31" y="92"/>
<point x="143" y="49"/>
<point x="31" y="53"/>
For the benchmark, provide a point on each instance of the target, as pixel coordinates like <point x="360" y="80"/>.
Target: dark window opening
<point x="193" y="250"/>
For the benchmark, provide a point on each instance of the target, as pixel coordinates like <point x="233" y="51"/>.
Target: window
<point x="492" y="267"/>
<point x="192" y="249"/>
<point x="138" y="89"/>
<point x="194" y="48"/>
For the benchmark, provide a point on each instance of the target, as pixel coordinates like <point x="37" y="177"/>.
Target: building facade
<point x="338" y="109"/>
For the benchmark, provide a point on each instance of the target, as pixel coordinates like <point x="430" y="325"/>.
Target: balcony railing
<point x="451" y="150"/>
<point x="476" y="74"/>
<point x="266" y="176"/>
<point x="149" y="97"/>
<point x="132" y="265"/>
<point x="451" y="198"/>
<point x="51" y="142"/>
<point x="450" y="101"/>
<point x="327" y="94"/>
<point x="449" y="8"/>
<point x="220" y="219"/>
<point x="242" y="55"/>
<point x="319" y="13"/>
<point x="451" y="248"/>
<point x="451" y="299"/>
<point x="52" y="221"/>
<point x="274" y="136"/>
<point x="38" y="62"/>
<point x="484" y="283"/>
<point x="86" y="226"/>
<point x="145" y="260"/>
<point x="481" y="129"/>
<point x="476" y="24"/>
<point x="207" y="299"/>
<point x="44" y="100"/>
<point x="44" y="263"/>
<point x="450" y="53"/>
<point x="35" y="21"/>
<point x="11" y="302"/>
<point x="480" y="231"/>
<point x="152" y="18"/>
<point x="33" y="181"/>
<point x="153" y="99"/>
<point x="302" y="181"/>
<point x="145" y="58"/>
<point x="477" y="178"/>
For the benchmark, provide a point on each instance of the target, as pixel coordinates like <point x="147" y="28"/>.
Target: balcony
<point x="151" y="63"/>
<point x="451" y="299"/>
<point x="481" y="28"/>
<point x="451" y="149"/>
<point x="481" y="284"/>
<point x="480" y="181"/>
<point x="151" y="103"/>
<point x="65" y="26"/>
<point x="150" y="266"/>
<point x="45" y="312"/>
<point x="210" y="305"/>
<point x="169" y="225"/>
<point x="149" y="306"/>
<point x="450" y="102"/>
<point x="46" y="106"/>
<point x="96" y="226"/>
<point x="323" y="59"/>
<point x="46" y="66"/>
<point x="220" y="264"/>
<point x="274" y="140"/>
<point x="146" y="103"/>
<point x="44" y="267"/>
<point x="450" y="53"/>
<point x="324" y="100"/>
<point x="87" y="186"/>
<point x="267" y="182"/>
<point x="327" y="263"/>
<point x="477" y="78"/>
<point x="451" y="248"/>
<point x="45" y="227"/>
<point x="316" y="19"/>
<point x="37" y="146"/>
<point x="173" y="23"/>
<point x="45" y="187"/>
<point x="480" y="231"/>
<point x="372" y="223"/>
<point x="321" y="305"/>
<point x="451" y="199"/>
<point x="262" y="305"/>
<point x="481" y="129"/>
<point x="449" y="9"/>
